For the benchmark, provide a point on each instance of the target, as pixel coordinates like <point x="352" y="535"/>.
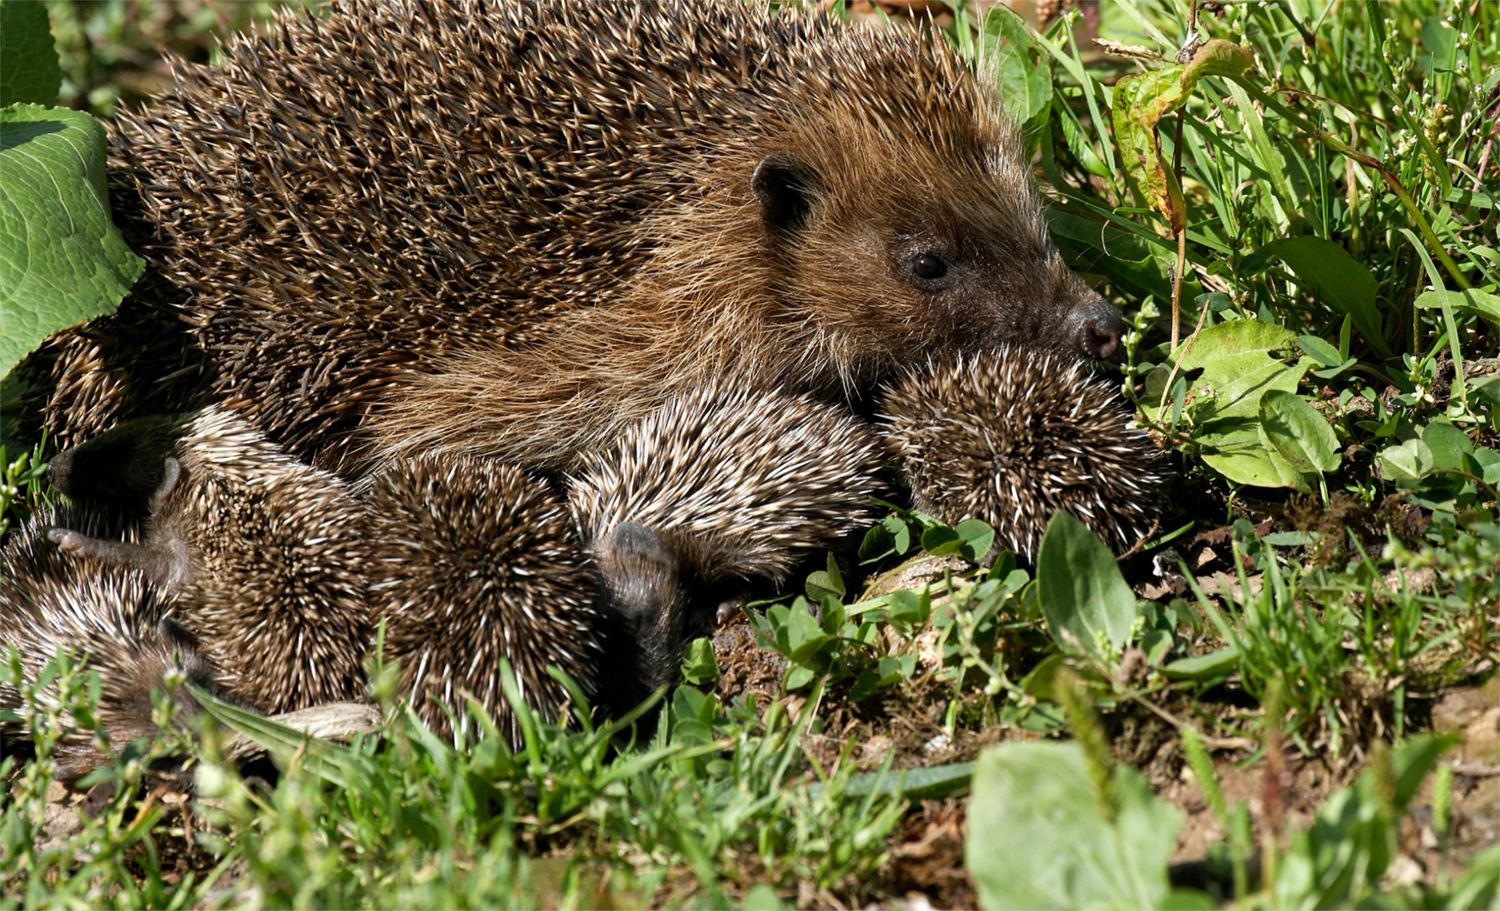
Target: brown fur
<point x="513" y="230"/>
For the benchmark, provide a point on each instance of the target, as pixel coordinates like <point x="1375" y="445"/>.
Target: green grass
<point x="1339" y="210"/>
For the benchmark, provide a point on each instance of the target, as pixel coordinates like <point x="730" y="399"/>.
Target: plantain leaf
<point x="1088" y="606"/>
<point x="1298" y="432"/>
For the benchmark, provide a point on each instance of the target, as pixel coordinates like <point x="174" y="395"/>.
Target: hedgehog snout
<point x="1100" y="327"/>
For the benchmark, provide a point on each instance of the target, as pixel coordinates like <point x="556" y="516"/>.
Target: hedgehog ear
<point x="785" y="187"/>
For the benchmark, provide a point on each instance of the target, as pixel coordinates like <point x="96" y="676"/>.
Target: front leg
<point x="163" y="560"/>
<point x="165" y="563"/>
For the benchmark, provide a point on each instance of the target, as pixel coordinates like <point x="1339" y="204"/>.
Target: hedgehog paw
<point x="166" y="567"/>
<point x="641" y="572"/>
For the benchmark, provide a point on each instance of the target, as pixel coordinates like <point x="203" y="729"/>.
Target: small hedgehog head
<point x="720" y="486"/>
<point x="1012" y="437"/>
<point x="121" y="470"/>
<point x="114" y="615"/>
<point x="477" y="561"/>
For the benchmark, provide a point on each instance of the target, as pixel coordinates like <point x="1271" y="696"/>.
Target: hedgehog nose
<point x="1100" y="329"/>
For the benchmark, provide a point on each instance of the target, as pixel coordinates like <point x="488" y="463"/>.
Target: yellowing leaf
<point x="1141" y="101"/>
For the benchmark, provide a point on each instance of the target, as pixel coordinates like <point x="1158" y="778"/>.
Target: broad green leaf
<point x="1088" y="606"/>
<point x="826" y="583"/>
<point x="1287" y="475"/>
<point x="1319" y="350"/>
<point x="1299" y="433"/>
<point x="1476" y="302"/>
<point x="977" y="536"/>
<point x="1238" y="453"/>
<point x="1022" y="74"/>
<point x="1142" y="100"/>
<point x="1239" y="366"/>
<point x="940" y="541"/>
<point x="29" y="73"/>
<point x="61" y="259"/>
<point x="1337" y="278"/>
<point x="1039" y="839"/>
<point x="1440" y="40"/>
<point x="1411" y="461"/>
<point x="700" y="665"/>
<point x="1448" y="444"/>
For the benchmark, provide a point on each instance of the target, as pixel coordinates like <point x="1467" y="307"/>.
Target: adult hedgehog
<point x="514" y="229"/>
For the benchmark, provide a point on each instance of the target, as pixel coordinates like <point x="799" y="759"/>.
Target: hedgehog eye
<point x="928" y="267"/>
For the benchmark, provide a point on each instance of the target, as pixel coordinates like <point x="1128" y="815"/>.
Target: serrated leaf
<point x="1298" y="432"/>
<point x="1088" y="606"/>
<point x="62" y="260"/>
<point x="29" y="73"/>
<point x="1142" y="100"/>
<point x="1337" y="278"/>
<point x="1038" y="838"/>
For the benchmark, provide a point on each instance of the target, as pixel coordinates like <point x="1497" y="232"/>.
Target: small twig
<point x="1134" y="548"/>
<point x="1476" y="770"/>
<point x="1177" y="361"/>
<point x="1133" y="51"/>
<point x="1218" y="743"/>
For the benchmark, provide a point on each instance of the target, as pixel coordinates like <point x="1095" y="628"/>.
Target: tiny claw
<point x="67" y="540"/>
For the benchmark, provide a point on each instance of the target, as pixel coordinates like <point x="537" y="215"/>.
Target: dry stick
<point x="1176" y="361"/>
<point x="1181" y="238"/>
<point x="1370" y="161"/>
<point x="1177" y="287"/>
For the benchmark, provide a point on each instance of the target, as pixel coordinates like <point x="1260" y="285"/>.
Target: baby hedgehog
<point x="263" y="556"/>
<point x="720" y="486"/>
<point x="1014" y="436"/>
<point x="477" y="561"/>
<point x="114" y="615"/>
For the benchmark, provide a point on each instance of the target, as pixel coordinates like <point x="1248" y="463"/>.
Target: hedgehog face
<point x="918" y="230"/>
